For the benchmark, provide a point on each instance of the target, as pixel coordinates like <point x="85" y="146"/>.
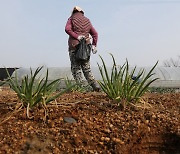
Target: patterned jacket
<point x="77" y="25"/>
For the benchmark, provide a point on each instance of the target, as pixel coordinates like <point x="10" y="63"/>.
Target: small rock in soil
<point x="69" y="120"/>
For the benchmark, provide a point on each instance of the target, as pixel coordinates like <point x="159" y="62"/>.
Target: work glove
<point x="80" y="37"/>
<point x="94" y="49"/>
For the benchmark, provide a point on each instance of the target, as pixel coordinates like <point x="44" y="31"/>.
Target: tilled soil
<point x="98" y="125"/>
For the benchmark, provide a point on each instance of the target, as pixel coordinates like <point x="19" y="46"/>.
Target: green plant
<point x="1" y="83"/>
<point x="33" y="91"/>
<point x="75" y="86"/>
<point x="119" y="84"/>
<point x="162" y="90"/>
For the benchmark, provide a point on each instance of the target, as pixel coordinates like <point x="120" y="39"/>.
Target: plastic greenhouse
<point x="168" y="76"/>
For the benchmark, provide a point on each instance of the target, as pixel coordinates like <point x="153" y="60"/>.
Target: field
<point x="91" y="123"/>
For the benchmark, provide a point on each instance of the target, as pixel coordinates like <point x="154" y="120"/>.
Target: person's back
<point x="78" y="26"/>
<point x="81" y="24"/>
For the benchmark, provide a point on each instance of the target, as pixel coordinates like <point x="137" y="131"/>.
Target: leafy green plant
<point x="1" y="83"/>
<point x="119" y="84"/>
<point x="75" y="86"/>
<point x="33" y="91"/>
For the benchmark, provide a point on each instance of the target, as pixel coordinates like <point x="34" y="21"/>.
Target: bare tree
<point x="172" y="62"/>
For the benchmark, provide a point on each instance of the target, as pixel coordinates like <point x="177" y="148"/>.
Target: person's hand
<point x="94" y="49"/>
<point x="80" y="37"/>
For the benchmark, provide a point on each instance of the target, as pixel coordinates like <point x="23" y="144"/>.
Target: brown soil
<point x="100" y="127"/>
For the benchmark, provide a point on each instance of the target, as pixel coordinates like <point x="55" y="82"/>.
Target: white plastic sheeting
<point x="165" y="73"/>
<point x="168" y="76"/>
<point x="53" y="73"/>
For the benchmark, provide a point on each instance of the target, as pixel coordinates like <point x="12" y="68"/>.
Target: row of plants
<point x="120" y="85"/>
<point x="76" y="87"/>
<point x="163" y="90"/>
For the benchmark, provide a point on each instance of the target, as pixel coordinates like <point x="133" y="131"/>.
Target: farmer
<point x="78" y="27"/>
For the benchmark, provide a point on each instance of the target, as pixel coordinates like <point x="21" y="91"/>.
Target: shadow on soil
<point x="171" y="144"/>
<point x="168" y="143"/>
